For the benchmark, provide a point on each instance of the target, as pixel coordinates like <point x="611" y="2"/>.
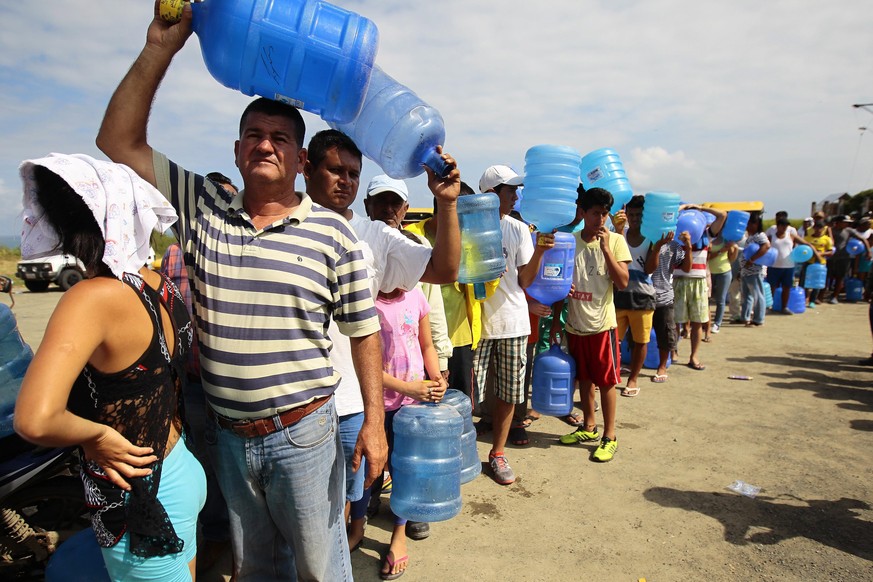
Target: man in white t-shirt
<point x="505" y="322"/>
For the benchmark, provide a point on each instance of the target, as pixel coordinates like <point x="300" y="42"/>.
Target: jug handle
<point x="435" y="162"/>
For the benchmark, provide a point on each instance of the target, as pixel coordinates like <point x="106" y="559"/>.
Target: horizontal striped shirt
<point x="263" y="298"/>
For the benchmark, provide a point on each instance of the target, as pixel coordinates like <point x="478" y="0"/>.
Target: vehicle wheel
<point x="54" y="505"/>
<point x="36" y="286"/>
<point x="68" y="278"/>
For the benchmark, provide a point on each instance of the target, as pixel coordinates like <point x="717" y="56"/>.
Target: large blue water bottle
<point x="801" y="253"/>
<point x="482" y="258"/>
<point x="603" y="169"/>
<point x="797" y="300"/>
<point x="308" y="53"/>
<point x="816" y="276"/>
<point x="15" y="357"/>
<point x="396" y="129"/>
<point x="551" y="180"/>
<point x="426" y="462"/>
<point x="555" y="276"/>
<point x="854" y="289"/>
<point x="735" y="225"/>
<point x="768" y="295"/>
<point x="470" y="465"/>
<point x="660" y="213"/>
<point x="653" y="355"/>
<point x="855" y="247"/>
<point x="691" y="221"/>
<point x="552" y="382"/>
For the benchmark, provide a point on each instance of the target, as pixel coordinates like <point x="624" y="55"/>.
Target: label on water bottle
<point x="668" y="216"/>
<point x="289" y="100"/>
<point x="552" y="270"/>
<point x="594" y="175"/>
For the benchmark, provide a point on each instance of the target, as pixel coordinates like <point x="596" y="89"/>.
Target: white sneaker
<point x="714" y="328"/>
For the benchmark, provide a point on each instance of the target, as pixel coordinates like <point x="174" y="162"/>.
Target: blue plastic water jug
<point x="735" y="225"/>
<point x="426" y="462"/>
<point x="768" y="295"/>
<point x="309" y="53"/>
<point x="777" y="299"/>
<point x="396" y="129"/>
<point x="470" y="465"/>
<point x="482" y="258"/>
<point x="855" y="247"/>
<point x="801" y="253"/>
<point x="555" y="276"/>
<point x="750" y="250"/>
<point x="78" y="559"/>
<point x="660" y="214"/>
<point x="653" y="356"/>
<point x="551" y="180"/>
<point x="797" y="300"/>
<point x="768" y="258"/>
<point x="602" y="168"/>
<point x="854" y="289"/>
<point x="552" y="381"/>
<point x="15" y="357"/>
<point x="692" y="221"/>
<point x="816" y="276"/>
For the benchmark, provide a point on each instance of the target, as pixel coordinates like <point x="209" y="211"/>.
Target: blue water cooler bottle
<point x="603" y="169"/>
<point x="854" y="289"/>
<point x="552" y="382"/>
<point x="693" y="222"/>
<point x="660" y="213"/>
<point x="309" y="53"/>
<point x="797" y="300"/>
<point x="470" y="465"/>
<point x="15" y="357"/>
<point x="735" y="225"/>
<point x="551" y="179"/>
<point x="482" y="258"/>
<point x="396" y="129"/>
<point x="816" y="276"/>
<point x="555" y="276"/>
<point x="426" y="462"/>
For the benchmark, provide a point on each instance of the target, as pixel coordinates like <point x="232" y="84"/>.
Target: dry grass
<point x="8" y="260"/>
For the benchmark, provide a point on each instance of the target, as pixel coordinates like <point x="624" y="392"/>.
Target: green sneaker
<point x="606" y="450"/>
<point x="580" y="435"/>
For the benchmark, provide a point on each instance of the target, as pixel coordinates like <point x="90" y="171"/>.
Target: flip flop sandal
<point x="630" y="392"/>
<point x="573" y="419"/>
<point x="659" y="378"/>
<point x="390" y="563"/>
<point x="698" y="366"/>
<point x="483" y="427"/>
<point x="518" y="436"/>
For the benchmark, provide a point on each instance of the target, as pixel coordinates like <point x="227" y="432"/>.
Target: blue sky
<point x="740" y="100"/>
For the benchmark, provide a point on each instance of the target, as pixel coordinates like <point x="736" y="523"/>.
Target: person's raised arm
<point x="123" y="133"/>
<point x="443" y="265"/>
<point x="653" y="260"/>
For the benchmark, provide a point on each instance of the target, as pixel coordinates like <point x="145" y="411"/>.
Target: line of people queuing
<point x="313" y="326"/>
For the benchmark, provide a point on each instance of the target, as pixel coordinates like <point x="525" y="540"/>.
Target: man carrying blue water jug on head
<point x="505" y="322"/>
<point x="602" y="259"/>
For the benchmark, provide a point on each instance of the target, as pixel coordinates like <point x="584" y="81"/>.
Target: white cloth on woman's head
<point x="126" y="207"/>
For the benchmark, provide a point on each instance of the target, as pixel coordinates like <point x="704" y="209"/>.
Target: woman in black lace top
<point x="107" y="378"/>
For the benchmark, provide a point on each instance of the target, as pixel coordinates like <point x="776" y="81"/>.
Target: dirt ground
<point x="801" y="430"/>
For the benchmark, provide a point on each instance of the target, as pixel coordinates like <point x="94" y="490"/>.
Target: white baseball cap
<point x="383" y="183"/>
<point x="496" y="175"/>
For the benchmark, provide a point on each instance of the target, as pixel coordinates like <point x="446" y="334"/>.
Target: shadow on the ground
<point x="832" y="523"/>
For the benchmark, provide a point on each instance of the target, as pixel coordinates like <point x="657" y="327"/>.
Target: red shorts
<point x="597" y="358"/>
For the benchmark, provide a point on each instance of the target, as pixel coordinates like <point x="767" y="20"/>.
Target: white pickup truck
<point x="38" y="274"/>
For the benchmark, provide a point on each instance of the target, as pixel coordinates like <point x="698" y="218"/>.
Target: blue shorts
<point x="182" y="492"/>
<point x="778" y="277"/>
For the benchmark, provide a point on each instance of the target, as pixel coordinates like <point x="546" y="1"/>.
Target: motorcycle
<point x="42" y="502"/>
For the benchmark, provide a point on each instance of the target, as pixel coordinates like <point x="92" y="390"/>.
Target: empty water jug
<point x="396" y="129"/>
<point x="482" y="258"/>
<point x="602" y="168"/>
<point x="797" y="300"/>
<point x="551" y="180"/>
<point x="855" y="247"/>
<point x="653" y="356"/>
<point x="750" y="250"/>
<point x="854" y="289"/>
<point x="801" y="253"/>
<point x="553" y="280"/>
<point x="15" y="357"/>
<point x="470" y="465"/>
<point x="768" y="295"/>
<point x="660" y="213"/>
<point x="693" y="222"/>
<point x="768" y="258"/>
<point x="309" y="53"/>
<point x="816" y="276"/>
<point x="552" y="382"/>
<point x="735" y="225"/>
<point x="426" y="462"/>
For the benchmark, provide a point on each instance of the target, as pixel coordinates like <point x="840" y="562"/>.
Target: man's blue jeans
<point x="720" y="284"/>
<point x="753" y="298"/>
<point x="286" y="494"/>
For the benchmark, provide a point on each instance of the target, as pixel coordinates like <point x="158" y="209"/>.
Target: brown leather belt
<point x="268" y="425"/>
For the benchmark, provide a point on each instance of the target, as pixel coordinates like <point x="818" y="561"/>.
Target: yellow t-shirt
<point x="822" y="244"/>
<point x="590" y="309"/>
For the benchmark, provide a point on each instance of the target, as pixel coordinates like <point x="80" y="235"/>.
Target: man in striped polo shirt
<point x="269" y="270"/>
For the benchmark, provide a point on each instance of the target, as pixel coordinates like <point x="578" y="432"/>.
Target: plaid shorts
<point x="511" y="359"/>
<point x="691" y="300"/>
